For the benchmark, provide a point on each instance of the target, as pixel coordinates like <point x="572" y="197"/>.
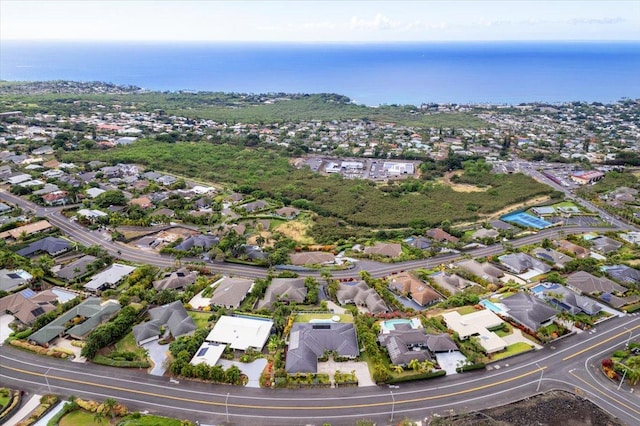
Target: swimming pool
<point x="539" y="288"/>
<point x="491" y="306"/>
<point x="526" y="220"/>
<point x="391" y="324"/>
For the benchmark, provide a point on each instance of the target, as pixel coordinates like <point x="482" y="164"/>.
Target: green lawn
<point x="81" y="418"/>
<point x="308" y="317"/>
<point x="4" y="399"/>
<point x="149" y="421"/>
<point x="127" y="344"/>
<point x="516" y="348"/>
<point x="567" y="204"/>
<point x="200" y="318"/>
<point x="503" y="333"/>
<point x="464" y="310"/>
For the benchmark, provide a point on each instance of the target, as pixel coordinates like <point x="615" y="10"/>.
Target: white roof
<point x="241" y="332"/>
<point x="477" y="323"/>
<point x="91" y="213"/>
<point x="94" y="192"/>
<point x="198" y="189"/>
<point x="112" y="275"/>
<point x="209" y="353"/>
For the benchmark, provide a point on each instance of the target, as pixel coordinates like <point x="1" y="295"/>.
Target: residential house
<point x="93" y="311"/>
<point x="571" y="248"/>
<point x="385" y="249"/>
<point x="623" y="273"/>
<point x="284" y="290"/>
<point x="50" y="245"/>
<point x="287" y="212"/>
<point x="12" y="279"/>
<point x="483" y="233"/>
<point x="605" y="245"/>
<point x="360" y="294"/>
<point x="27" y="309"/>
<point x="94" y="192"/>
<point x="241" y="332"/>
<point x="438" y="234"/>
<point x="55" y="198"/>
<point x="420" y="292"/>
<point x="405" y="344"/>
<point x="501" y="226"/>
<point x="203" y="241"/>
<point x="529" y="311"/>
<point x="109" y="277"/>
<point x="567" y="300"/>
<point x="421" y="243"/>
<point x="75" y="269"/>
<point x="230" y="292"/>
<point x="176" y="280"/>
<point x="26" y="230"/>
<point x="477" y="324"/>
<point x="255" y="206"/>
<point x="310" y="341"/>
<point x="142" y="202"/>
<point x="172" y="315"/>
<point x="556" y="258"/>
<point x="485" y="270"/>
<point x="520" y="263"/>
<point x="451" y="282"/>
<point x="586" y="283"/>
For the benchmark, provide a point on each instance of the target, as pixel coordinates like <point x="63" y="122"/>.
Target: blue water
<point x="539" y="288"/>
<point x="367" y="73"/>
<point x="391" y="324"/>
<point x="491" y="306"/>
<point x="526" y="220"/>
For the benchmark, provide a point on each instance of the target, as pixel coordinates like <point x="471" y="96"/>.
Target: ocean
<point x="370" y="74"/>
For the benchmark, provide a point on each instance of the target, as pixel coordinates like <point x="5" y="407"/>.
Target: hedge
<point x="13" y="405"/>
<point x="471" y="367"/>
<point x="66" y="409"/>
<point x="417" y="376"/>
<point x="47" y="403"/>
<point x="103" y="360"/>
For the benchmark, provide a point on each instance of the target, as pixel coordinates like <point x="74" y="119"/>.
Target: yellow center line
<point x="272" y="407"/>
<point x="604" y="393"/>
<point x="601" y="343"/>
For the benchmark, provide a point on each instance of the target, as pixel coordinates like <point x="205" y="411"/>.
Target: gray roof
<point x="362" y="295"/>
<point x="486" y="271"/>
<point x="567" y="300"/>
<point x="110" y="276"/>
<point x="230" y="292"/>
<point x="92" y="309"/>
<point x="176" y="279"/>
<point x="624" y="273"/>
<point x="69" y="272"/>
<point x="289" y="289"/>
<point x="51" y="245"/>
<point x="590" y="284"/>
<point x="522" y="262"/>
<point x="605" y="244"/>
<point x="204" y="241"/>
<point x="528" y="310"/>
<point x="256" y="205"/>
<point x="406" y="344"/>
<point x="308" y="342"/>
<point x="173" y="315"/>
<point x="11" y="279"/>
<point x="550" y="255"/>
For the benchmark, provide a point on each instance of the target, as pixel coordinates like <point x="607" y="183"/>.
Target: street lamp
<point x="629" y="338"/>
<point x="226" y="406"/>
<point x="622" y="380"/>
<point x="540" y="379"/>
<point x="393" y="405"/>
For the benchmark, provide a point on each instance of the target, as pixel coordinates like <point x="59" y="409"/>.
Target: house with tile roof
<point x="284" y="290"/>
<point x="385" y="249"/>
<point x="51" y="245"/>
<point x="173" y="316"/>
<point x="360" y="294"/>
<point x="485" y="270"/>
<point x="176" y="280"/>
<point x="585" y="283"/>
<point x="310" y="341"/>
<point x="230" y="292"/>
<point x="529" y="311"/>
<point x="420" y="292"/>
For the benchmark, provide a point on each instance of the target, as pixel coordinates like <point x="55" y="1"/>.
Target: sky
<point x="320" y="21"/>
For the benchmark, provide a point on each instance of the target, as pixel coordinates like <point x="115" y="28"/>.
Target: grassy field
<point x="308" y="317"/>
<point x="5" y="395"/>
<point x="149" y="420"/>
<point x="200" y="318"/>
<point x="128" y="344"/>
<point x="464" y="310"/>
<point x="84" y="418"/>
<point x="514" y="349"/>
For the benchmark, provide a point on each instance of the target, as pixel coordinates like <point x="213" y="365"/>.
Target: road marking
<point x="600" y="343"/>
<point x="617" y="401"/>
<point x="273" y="407"/>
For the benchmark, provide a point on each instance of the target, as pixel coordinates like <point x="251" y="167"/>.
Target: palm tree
<point x="98" y="416"/>
<point x="398" y="369"/>
<point x="414" y="364"/>
<point x="109" y="405"/>
<point x="426" y="366"/>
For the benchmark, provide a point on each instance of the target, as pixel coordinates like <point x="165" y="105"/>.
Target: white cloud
<point x="379" y="22"/>
<point x="598" y="21"/>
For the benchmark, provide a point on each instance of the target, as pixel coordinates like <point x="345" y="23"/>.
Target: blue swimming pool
<point x="390" y="324"/>
<point x="546" y="286"/>
<point x="526" y="220"/>
<point x="491" y="306"/>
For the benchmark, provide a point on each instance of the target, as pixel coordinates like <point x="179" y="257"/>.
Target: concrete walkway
<point x="158" y="355"/>
<point x="5" y="330"/>
<point x="361" y="369"/>
<point x="517" y="336"/>
<point x="45" y="419"/>
<point x="27" y="408"/>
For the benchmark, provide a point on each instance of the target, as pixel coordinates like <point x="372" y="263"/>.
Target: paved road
<point x="571" y="364"/>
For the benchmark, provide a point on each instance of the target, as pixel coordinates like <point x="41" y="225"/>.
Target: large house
<point x="310" y="341"/>
<point x="109" y="277"/>
<point x="569" y="301"/>
<point x="520" y="263"/>
<point x="485" y="270"/>
<point x="241" y="332"/>
<point x="554" y="257"/>
<point x="573" y="249"/>
<point x="385" y="249"/>
<point x="12" y="279"/>
<point x="438" y="234"/>
<point x="623" y="273"/>
<point x="284" y="290"/>
<point x="529" y="311"/>
<point x="230" y="292"/>
<point x="360" y="294"/>
<point x="478" y="324"/>
<point x="172" y="315"/>
<point x="312" y="258"/>
<point x="406" y="343"/>
<point x="51" y="245"/>
<point x="586" y="283"/>
<point x="176" y="280"/>
<point x="420" y="292"/>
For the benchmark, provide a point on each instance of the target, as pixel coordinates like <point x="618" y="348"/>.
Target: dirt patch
<point x="268" y="239"/>
<point x="512" y="207"/>
<point x="553" y="408"/>
<point x="297" y="231"/>
<point x="461" y="187"/>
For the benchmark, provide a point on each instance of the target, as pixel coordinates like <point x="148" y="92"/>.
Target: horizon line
<point x="320" y="42"/>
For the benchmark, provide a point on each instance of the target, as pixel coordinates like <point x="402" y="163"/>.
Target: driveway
<point x="253" y="370"/>
<point x="449" y="361"/>
<point x="5" y="330"/>
<point x="361" y="369"/>
<point x="158" y="355"/>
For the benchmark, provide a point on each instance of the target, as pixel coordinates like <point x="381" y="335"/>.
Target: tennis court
<point x="526" y="220"/>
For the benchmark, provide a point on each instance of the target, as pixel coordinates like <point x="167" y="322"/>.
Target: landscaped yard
<point x="5" y="394"/>
<point x="84" y="418"/>
<point x="149" y="420"/>
<point x="200" y="318"/>
<point x="320" y="316"/>
<point x="127" y="344"/>
<point x="505" y="331"/>
<point x="514" y="349"/>
<point x="464" y="310"/>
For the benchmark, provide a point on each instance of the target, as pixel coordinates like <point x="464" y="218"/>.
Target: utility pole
<point x="393" y="405"/>
<point x="226" y="406"/>
<point x="540" y="379"/>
